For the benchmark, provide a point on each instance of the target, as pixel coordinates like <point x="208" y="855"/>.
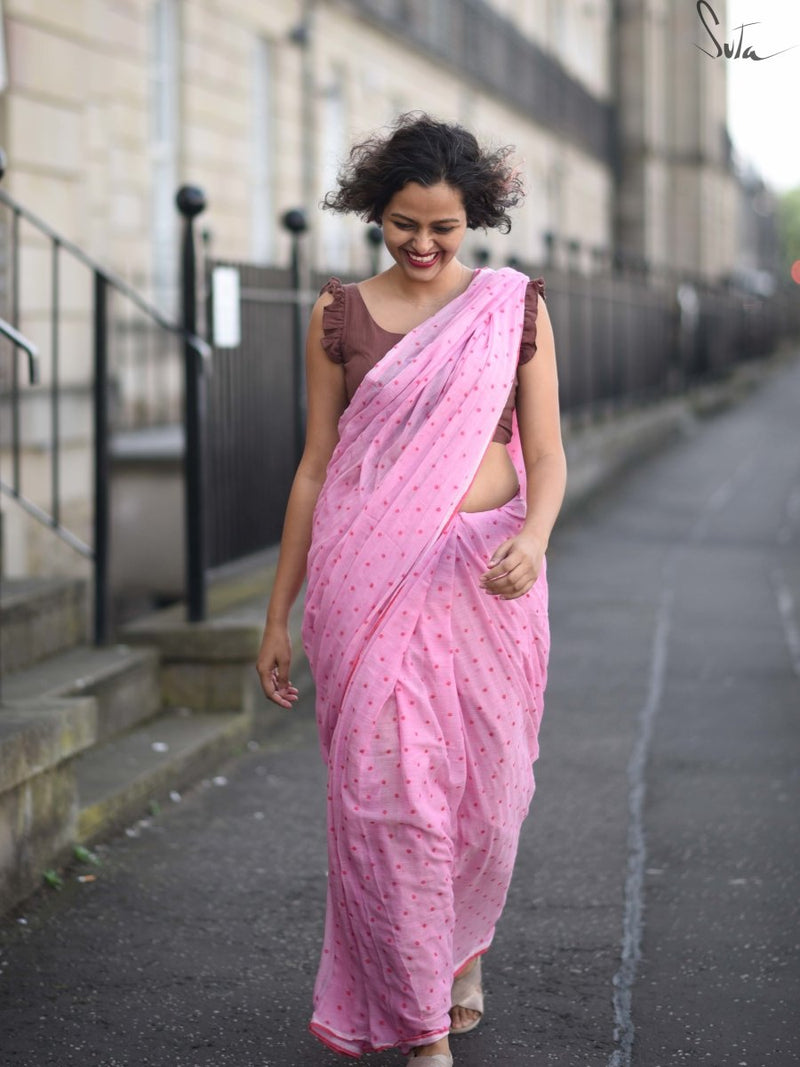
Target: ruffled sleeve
<point x="527" y="345"/>
<point x="333" y="320"/>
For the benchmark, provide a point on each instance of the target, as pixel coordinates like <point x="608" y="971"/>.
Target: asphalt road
<point x="653" y="917"/>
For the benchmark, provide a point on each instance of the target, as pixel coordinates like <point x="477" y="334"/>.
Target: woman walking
<point x="432" y="476"/>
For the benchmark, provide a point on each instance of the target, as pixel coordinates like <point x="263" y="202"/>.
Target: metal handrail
<point x="199" y="345"/>
<point x="21" y="341"/>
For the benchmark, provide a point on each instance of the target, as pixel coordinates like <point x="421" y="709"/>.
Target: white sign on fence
<point x="227" y="307"/>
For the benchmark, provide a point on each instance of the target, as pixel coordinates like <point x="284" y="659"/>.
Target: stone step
<point x="89" y="738"/>
<point x="38" y="801"/>
<point x="211" y="664"/>
<point x="38" y="738"/>
<point x="122" y="680"/>
<point x="40" y="617"/>
<point x="118" y="781"/>
<point x="249" y="616"/>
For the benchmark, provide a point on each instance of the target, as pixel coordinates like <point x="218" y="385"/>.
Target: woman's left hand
<point x="514" y="568"/>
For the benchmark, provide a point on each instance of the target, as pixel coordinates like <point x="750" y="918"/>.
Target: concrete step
<point x="38" y="801"/>
<point x="212" y="664"/>
<point x="38" y="738"/>
<point x="89" y="738"/>
<point x="40" y="617"/>
<point x="249" y="617"/>
<point x="119" y="780"/>
<point x="123" y="681"/>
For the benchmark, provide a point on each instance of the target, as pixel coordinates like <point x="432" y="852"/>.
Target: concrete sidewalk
<point x="653" y="913"/>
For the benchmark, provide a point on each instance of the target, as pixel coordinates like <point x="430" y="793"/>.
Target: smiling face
<point x="423" y="227"/>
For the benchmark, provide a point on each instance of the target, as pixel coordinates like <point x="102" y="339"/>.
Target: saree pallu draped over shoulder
<point x="429" y="691"/>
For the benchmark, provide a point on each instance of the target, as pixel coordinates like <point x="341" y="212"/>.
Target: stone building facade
<point x="677" y="199"/>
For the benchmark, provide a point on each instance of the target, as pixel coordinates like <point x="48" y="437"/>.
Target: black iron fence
<point x="254" y="414"/>
<point x="625" y="339"/>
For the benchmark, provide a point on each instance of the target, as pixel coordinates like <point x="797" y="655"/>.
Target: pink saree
<point x="429" y="691"/>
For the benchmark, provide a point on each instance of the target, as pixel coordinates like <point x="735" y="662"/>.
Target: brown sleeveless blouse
<point x="353" y="338"/>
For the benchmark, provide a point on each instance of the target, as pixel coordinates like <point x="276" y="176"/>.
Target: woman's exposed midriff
<point x="495" y="482"/>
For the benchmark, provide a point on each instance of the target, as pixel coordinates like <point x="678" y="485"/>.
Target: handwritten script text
<point x="733" y="50"/>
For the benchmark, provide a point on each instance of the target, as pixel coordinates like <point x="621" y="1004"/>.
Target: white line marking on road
<point x="791" y="518"/>
<point x="632" y="922"/>
<point x="719" y="499"/>
<point x="788" y="614"/>
<point x="633" y="913"/>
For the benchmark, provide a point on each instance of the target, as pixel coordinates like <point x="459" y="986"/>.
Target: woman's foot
<point x="464" y="1019"/>
<point x="467" y="999"/>
<point x="435" y="1055"/>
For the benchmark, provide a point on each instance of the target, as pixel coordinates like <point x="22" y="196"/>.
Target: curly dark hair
<point x="423" y="150"/>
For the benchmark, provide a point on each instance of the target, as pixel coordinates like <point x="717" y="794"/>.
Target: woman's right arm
<point x="326" y="402"/>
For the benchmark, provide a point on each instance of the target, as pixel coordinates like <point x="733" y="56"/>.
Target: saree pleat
<point x="429" y="692"/>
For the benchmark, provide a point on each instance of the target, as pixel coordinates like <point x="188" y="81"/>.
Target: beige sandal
<point x="468" y="993"/>
<point x="441" y="1059"/>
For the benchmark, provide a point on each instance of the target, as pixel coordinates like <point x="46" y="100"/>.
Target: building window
<point x="436" y="25"/>
<point x="164" y="151"/>
<point x="3" y="59"/>
<point x="557" y="27"/>
<point x="332" y="151"/>
<point x="263" y="153"/>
